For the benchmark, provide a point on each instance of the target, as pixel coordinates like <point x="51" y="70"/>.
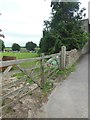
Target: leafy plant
<point x="2" y="45"/>
<point x="47" y="87"/>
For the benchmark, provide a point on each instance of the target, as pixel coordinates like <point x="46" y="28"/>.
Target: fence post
<point x="59" y="60"/>
<point x="42" y="71"/>
<point x="67" y="61"/>
<point x="63" y="57"/>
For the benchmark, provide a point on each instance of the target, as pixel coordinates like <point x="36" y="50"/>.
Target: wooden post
<point x="63" y="57"/>
<point x="60" y="60"/>
<point x="42" y="71"/>
<point x="67" y="61"/>
<point x="1" y="91"/>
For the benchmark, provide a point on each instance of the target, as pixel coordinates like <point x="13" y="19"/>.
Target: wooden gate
<point x="14" y="89"/>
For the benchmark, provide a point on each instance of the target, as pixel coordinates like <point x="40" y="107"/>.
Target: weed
<point x="47" y="87"/>
<point x="30" y="81"/>
<point x="18" y="75"/>
<point x="67" y="71"/>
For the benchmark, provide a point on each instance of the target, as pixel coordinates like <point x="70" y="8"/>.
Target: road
<point x="70" y="98"/>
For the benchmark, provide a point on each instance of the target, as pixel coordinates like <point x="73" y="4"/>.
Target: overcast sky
<point x="22" y="20"/>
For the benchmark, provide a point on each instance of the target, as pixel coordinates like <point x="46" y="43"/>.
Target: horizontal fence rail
<point x="12" y="62"/>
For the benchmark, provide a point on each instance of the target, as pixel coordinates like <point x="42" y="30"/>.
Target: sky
<point x="22" y="20"/>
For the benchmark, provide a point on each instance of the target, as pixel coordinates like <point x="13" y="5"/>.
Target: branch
<point x="1" y="35"/>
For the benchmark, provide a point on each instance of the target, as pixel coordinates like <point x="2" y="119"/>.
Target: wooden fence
<point x="38" y="74"/>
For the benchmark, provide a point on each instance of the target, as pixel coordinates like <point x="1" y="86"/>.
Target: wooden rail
<point x="12" y="62"/>
<point x="17" y="99"/>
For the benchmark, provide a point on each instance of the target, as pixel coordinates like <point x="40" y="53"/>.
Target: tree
<point x="65" y="26"/>
<point x="30" y="46"/>
<point x="2" y="46"/>
<point x="46" y="24"/>
<point x="1" y="35"/>
<point x="16" y="47"/>
<point x="47" y="43"/>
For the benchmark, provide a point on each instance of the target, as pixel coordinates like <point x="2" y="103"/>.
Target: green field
<point x="19" y="55"/>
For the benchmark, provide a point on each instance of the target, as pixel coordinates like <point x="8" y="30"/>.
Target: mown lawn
<point x="23" y="55"/>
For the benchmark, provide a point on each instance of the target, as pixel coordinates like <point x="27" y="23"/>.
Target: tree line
<point x="30" y="46"/>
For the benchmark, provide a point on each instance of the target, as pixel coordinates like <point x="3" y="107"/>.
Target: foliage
<point x="67" y="71"/>
<point x="64" y="28"/>
<point x="16" y="47"/>
<point x="1" y="35"/>
<point x="18" y="75"/>
<point x="48" y="87"/>
<point x="30" y="46"/>
<point x="47" y="43"/>
<point x="2" y="46"/>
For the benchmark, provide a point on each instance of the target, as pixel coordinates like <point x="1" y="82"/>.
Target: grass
<point x="19" y="55"/>
<point x="18" y="75"/>
<point x="23" y="55"/>
<point x="28" y="64"/>
<point x="22" y="75"/>
<point x="47" y="87"/>
<point x="67" y="71"/>
<point x="30" y="81"/>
